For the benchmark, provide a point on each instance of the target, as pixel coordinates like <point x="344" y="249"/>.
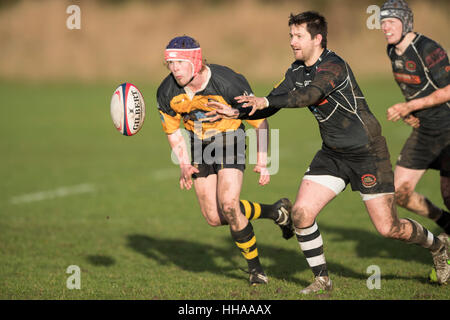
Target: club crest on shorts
<point x="368" y="180"/>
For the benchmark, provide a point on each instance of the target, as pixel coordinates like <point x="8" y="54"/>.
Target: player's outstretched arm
<point x="220" y="111"/>
<point x="401" y="110"/>
<point x="297" y="98"/>
<point x="412" y="121"/>
<point x="179" y="148"/>
<point x="262" y="143"/>
<point x="256" y="103"/>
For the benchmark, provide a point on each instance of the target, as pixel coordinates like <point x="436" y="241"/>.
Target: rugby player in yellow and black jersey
<point x="217" y="148"/>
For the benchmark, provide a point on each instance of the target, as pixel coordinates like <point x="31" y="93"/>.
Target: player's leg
<point x="279" y="212"/>
<point x="313" y="195"/>
<point x="205" y="184"/>
<point x="405" y="181"/>
<point x="233" y="156"/>
<point x="228" y="190"/>
<point x="205" y="189"/>
<point x="383" y="213"/>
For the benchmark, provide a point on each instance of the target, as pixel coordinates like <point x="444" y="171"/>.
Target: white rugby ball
<point x="127" y="109"/>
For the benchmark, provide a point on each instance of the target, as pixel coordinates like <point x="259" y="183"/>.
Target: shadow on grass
<point x="100" y="260"/>
<point x="190" y="256"/>
<point x="370" y="244"/>
<point x="373" y="245"/>
<point x="278" y="262"/>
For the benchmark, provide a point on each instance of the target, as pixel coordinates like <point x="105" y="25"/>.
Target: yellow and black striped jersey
<point x="175" y="103"/>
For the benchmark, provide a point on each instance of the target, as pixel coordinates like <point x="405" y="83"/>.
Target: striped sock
<point x="255" y="210"/>
<point x="422" y="237"/>
<point x="311" y="244"/>
<point x="246" y="242"/>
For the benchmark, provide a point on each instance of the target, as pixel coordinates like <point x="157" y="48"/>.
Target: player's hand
<point x="257" y="103"/>
<point x="397" y="111"/>
<point x="412" y="121"/>
<point x="264" y="175"/>
<point x="221" y="111"/>
<point x="186" y="173"/>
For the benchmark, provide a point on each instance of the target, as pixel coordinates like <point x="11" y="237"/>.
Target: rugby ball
<point x="127" y="109"/>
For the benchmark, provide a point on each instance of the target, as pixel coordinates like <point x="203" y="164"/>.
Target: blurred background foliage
<point x="124" y="39"/>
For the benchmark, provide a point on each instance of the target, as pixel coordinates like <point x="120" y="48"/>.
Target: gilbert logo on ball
<point x="127" y="109"/>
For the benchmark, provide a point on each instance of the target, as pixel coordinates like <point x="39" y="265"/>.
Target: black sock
<point x="422" y="237"/>
<point x="254" y="210"/>
<point x="246" y="242"/>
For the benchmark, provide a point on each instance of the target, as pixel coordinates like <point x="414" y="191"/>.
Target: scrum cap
<point x="185" y="48"/>
<point x="398" y="9"/>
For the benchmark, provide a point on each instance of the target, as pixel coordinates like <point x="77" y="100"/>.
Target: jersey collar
<point x="191" y="93"/>
<point x="319" y="60"/>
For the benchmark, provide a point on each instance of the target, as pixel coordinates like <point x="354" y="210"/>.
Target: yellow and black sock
<point x="254" y="210"/>
<point x="246" y="242"/>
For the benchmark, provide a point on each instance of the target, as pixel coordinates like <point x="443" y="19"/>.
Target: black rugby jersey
<point x="175" y="103"/>
<point x="419" y="71"/>
<point x="329" y="89"/>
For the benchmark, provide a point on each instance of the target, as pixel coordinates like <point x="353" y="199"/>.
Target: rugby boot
<point x="284" y="220"/>
<point x="441" y="260"/>
<point x="319" y="286"/>
<point x="257" y="277"/>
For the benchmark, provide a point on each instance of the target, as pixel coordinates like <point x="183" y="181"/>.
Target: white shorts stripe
<point x="334" y="183"/>
<point x="366" y="197"/>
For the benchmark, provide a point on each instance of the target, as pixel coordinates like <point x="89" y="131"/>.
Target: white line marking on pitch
<point x="51" y="194"/>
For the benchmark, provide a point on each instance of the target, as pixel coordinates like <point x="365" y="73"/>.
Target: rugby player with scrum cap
<point x="218" y="148"/>
<point x="421" y="69"/>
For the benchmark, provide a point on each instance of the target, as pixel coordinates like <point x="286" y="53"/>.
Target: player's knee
<point x="213" y="216"/>
<point x="302" y="217"/>
<point x="229" y="207"/>
<point x="214" y="222"/>
<point x="385" y="230"/>
<point x="390" y="230"/>
<point x="402" y="193"/>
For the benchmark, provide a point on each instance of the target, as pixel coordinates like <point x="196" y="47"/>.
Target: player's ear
<point x="318" y="39"/>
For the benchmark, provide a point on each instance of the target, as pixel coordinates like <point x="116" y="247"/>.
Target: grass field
<point x="76" y="192"/>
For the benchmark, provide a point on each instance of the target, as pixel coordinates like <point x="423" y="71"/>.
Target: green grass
<point x="138" y="236"/>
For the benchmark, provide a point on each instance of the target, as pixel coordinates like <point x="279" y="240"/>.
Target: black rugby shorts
<point x="369" y="172"/>
<point x="226" y="150"/>
<point x="427" y="150"/>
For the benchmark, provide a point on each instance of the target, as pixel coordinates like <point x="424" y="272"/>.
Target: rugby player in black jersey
<point x="353" y="149"/>
<point x="422" y="70"/>
<point x="217" y="148"/>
